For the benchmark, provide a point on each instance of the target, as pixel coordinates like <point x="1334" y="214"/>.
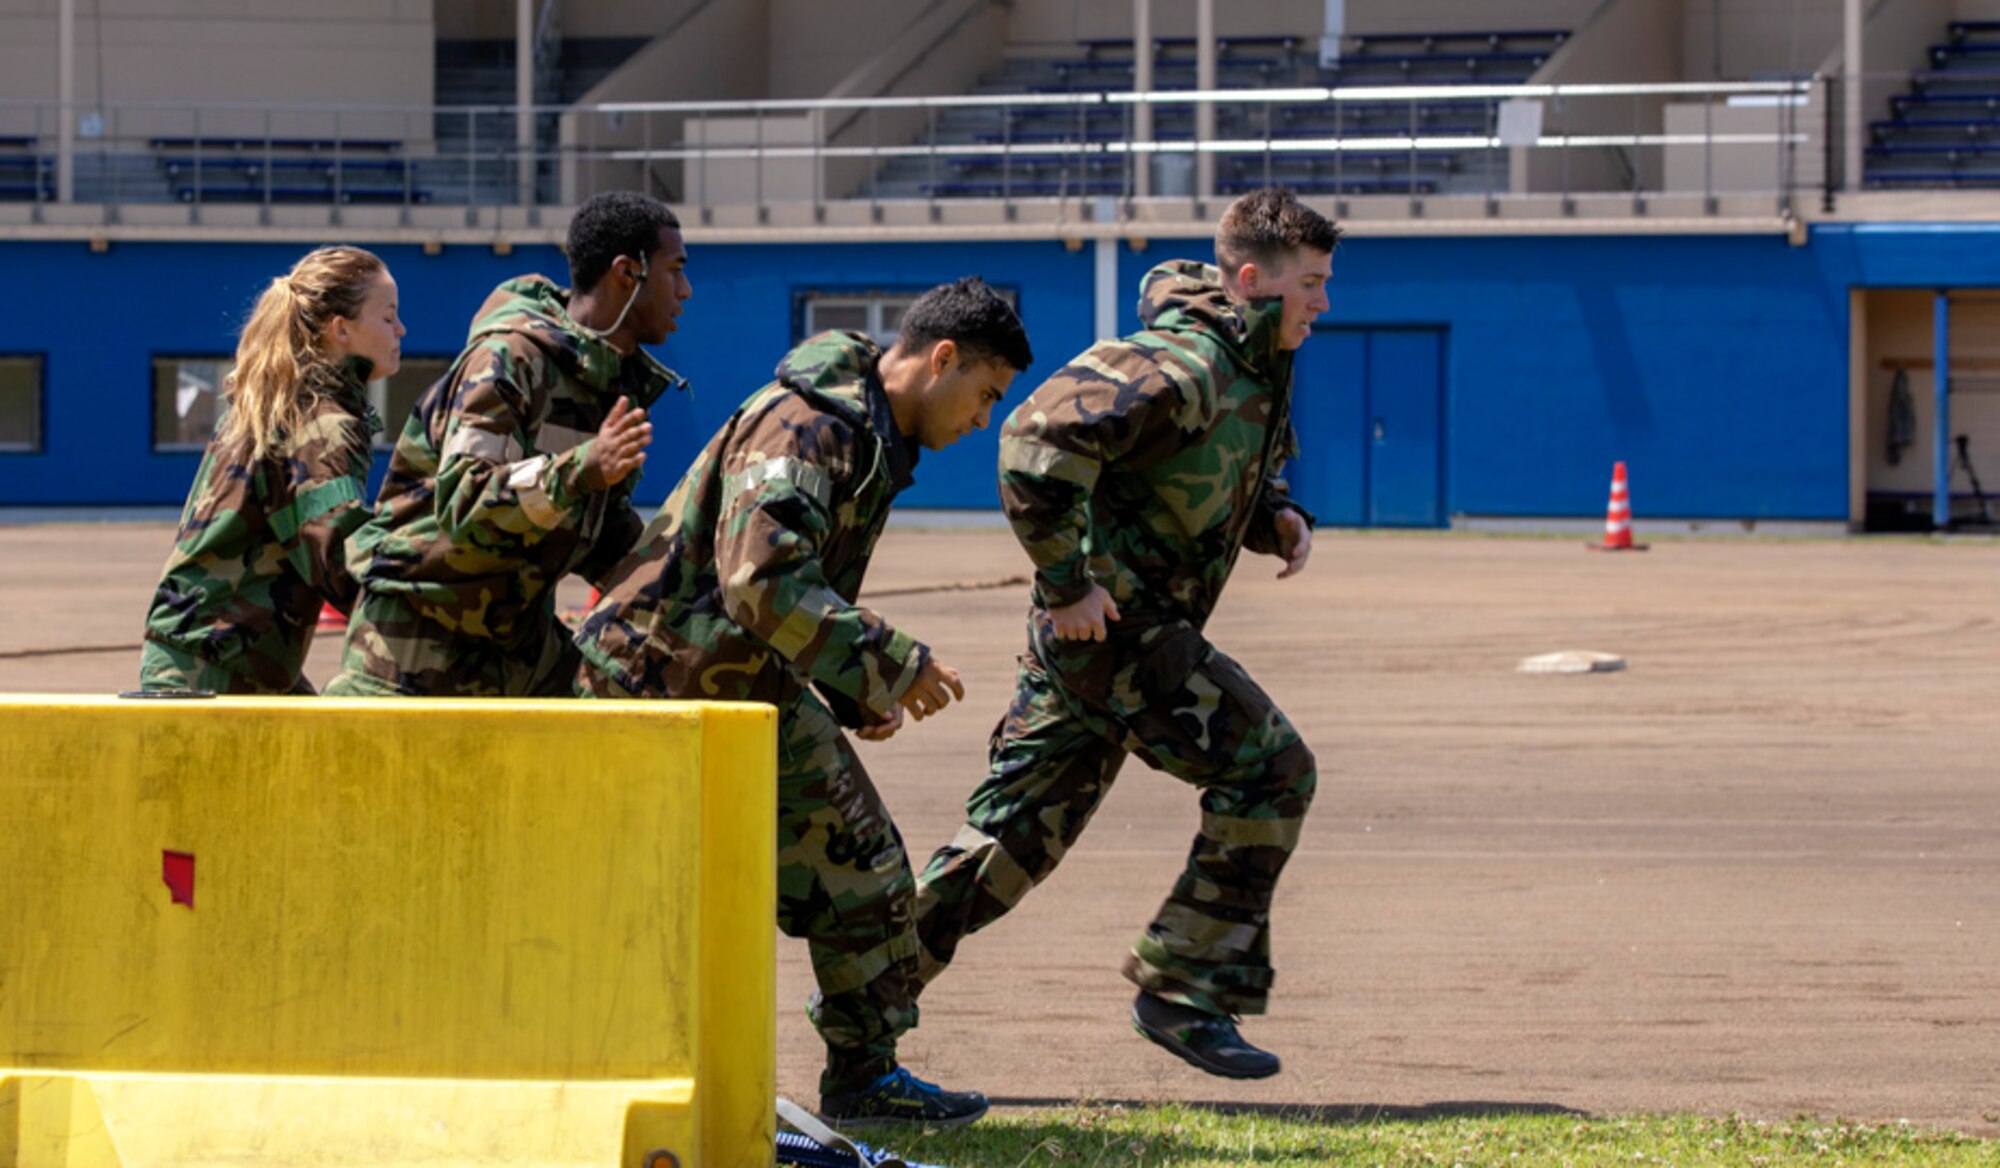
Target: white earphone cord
<point x="637" y="283"/>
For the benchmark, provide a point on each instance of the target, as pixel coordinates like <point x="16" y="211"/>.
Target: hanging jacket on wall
<point x="1902" y="416"/>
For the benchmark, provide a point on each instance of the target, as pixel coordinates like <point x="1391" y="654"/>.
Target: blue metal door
<point x="1369" y="407"/>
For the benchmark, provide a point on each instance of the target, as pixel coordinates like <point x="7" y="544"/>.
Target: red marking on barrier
<point x="177" y="869"/>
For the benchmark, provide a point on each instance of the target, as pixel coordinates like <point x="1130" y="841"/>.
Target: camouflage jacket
<point x="742" y="586"/>
<point x="1147" y="463"/>
<point x="484" y="507"/>
<point x="262" y="544"/>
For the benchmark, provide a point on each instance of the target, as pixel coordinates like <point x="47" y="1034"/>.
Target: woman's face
<point x="377" y="333"/>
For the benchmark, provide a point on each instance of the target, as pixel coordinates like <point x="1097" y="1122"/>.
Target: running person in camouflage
<point x="262" y="542"/>
<point x="1133" y="477"/>
<point x="517" y="468"/>
<point x="743" y="589"/>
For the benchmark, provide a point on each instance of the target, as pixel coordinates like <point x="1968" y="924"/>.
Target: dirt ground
<point x="1758" y="871"/>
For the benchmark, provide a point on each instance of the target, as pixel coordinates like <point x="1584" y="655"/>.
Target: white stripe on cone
<point x="1618" y="516"/>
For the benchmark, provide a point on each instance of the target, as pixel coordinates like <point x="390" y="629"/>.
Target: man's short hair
<point x="971" y="315"/>
<point x="613" y="224"/>
<point x="1265" y="226"/>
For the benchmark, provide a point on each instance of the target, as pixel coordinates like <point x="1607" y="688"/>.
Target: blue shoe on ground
<point x="901" y="1098"/>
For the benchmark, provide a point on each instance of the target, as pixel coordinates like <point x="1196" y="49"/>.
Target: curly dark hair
<point x="971" y="315"/>
<point x="1267" y="224"/>
<point x="613" y="224"/>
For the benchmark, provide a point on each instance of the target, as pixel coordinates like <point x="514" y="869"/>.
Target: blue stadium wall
<point x="1715" y="366"/>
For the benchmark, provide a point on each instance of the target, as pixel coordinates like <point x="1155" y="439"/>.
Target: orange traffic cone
<point x="1618" y="518"/>
<point x="331" y="618"/>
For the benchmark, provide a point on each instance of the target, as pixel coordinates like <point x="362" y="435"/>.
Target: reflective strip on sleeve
<point x="525" y="479"/>
<point x="484" y="445"/>
<point x="803" y="623"/>
<point x="308" y="505"/>
<point x="807" y="479"/>
<point x="1033" y="457"/>
<point x="313" y="503"/>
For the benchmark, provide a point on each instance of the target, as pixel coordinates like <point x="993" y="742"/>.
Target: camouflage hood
<point x="487" y="502"/>
<point x="836" y="371"/>
<point x="742" y="588"/>
<point x="533" y="307"/>
<point x="1187" y="297"/>
<point x="346" y="385"/>
<point x="1147" y="463"/>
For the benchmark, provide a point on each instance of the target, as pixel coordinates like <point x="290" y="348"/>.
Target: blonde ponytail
<point x="281" y="360"/>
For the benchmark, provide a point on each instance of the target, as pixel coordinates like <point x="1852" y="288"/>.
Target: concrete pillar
<point x="1142" y="83"/>
<point x="524" y="98"/>
<point x="1853" y="126"/>
<point x="1332" y="28"/>
<point x="1104" y="276"/>
<point x="1204" y="113"/>
<point x="66" y="103"/>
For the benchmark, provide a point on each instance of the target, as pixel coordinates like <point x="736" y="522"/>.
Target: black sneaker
<point x="1204" y="1040"/>
<point x="900" y="1097"/>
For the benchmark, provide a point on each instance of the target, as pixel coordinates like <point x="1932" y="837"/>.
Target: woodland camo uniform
<point x="741" y="590"/>
<point x="1144" y="465"/>
<point x="261" y="549"/>
<point x="486" y="508"/>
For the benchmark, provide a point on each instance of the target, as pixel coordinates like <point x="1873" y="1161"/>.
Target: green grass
<point x="1184" y="1136"/>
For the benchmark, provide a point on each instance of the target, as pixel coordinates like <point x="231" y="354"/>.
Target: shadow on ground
<point x="1314" y="1112"/>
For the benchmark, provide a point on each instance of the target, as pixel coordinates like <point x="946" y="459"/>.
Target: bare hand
<point x="1084" y="620"/>
<point x="1295" y="541"/>
<point x="884" y="730"/>
<point x="933" y="690"/>
<point x="619" y="448"/>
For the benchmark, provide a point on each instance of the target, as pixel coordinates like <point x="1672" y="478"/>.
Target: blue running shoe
<point x="900" y="1097"/>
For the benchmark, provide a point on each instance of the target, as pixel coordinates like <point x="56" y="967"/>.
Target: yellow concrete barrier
<point x="321" y="931"/>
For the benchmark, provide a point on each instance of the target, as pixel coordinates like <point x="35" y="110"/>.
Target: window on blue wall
<point x="393" y="397"/>
<point x="187" y="398"/>
<point x="878" y="315"/>
<point x="20" y="404"/>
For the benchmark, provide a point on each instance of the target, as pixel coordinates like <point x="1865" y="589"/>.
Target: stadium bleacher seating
<point x="257" y="192"/>
<point x="475" y="132"/>
<point x="1944" y="131"/>
<point x="1251" y="62"/>
<point x="474" y="159"/>
<point x="26" y="176"/>
<point x="227" y="145"/>
<point x="287" y="170"/>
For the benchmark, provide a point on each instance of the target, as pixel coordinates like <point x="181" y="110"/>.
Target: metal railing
<point x="1496" y="142"/>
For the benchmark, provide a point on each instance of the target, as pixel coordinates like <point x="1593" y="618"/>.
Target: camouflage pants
<point x="394" y="651"/>
<point x="1165" y="694"/>
<point x="163" y="668"/>
<point x="844" y="885"/>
